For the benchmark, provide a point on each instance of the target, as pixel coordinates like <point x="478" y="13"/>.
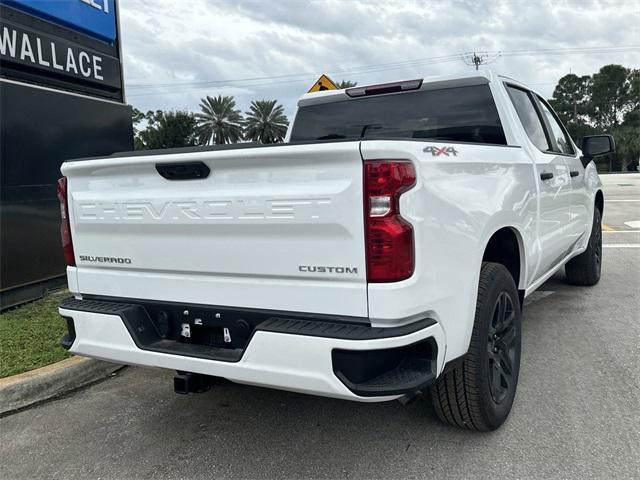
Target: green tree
<point x="160" y="129"/>
<point x="265" y="122"/>
<point x="571" y="99"/>
<point x="632" y="118"/>
<point x="627" y="137"/>
<point x="346" y="84"/>
<point x="634" y="81"/>
<point x="218" y="121"/>
<point x="139" y="121"/>
<point x="611" y="95"/>
<point x="606" y="102"/>
<point x="137" y="116"/>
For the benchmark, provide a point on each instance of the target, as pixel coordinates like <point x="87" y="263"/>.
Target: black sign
<point x="57" y="57"/>
<point x="36" y="51"/>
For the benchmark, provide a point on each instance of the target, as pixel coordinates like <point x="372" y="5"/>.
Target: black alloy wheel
<point x="501" y="347"/>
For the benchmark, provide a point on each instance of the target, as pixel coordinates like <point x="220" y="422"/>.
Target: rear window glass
<point x="461" y="114"/>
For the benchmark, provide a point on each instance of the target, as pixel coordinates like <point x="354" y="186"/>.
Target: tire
<point x="585" y="268"/>
<point x="478" y="392"/>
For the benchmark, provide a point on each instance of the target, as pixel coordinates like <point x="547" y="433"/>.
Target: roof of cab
<point x="474" y="77"/>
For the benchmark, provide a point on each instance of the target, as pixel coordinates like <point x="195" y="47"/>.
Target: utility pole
<point x="475" y="60"/>
<point x="575" y="104"/>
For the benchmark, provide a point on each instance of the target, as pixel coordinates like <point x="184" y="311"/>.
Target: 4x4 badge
<point x="437" y="151"/>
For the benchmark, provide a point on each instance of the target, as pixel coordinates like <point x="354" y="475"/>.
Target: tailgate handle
<point x="183" y="171"/>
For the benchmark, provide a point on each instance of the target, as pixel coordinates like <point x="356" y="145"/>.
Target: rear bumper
<point x="306" y="356"/>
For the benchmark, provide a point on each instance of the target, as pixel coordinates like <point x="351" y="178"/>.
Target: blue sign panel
<point x="93" y="17"/>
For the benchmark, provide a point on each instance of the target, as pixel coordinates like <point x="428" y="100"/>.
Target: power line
<point x="394" y="65"/>
<point x="481" y="58"/>
<point x="263" y="81"/>
<point x="336" y="70"/>
<point x="572" y="50"/>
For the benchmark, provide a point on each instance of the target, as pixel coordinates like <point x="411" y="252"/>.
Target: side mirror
<point x="596" y="145"/>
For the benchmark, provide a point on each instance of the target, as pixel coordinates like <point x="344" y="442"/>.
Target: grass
<point x="29" y="335"/>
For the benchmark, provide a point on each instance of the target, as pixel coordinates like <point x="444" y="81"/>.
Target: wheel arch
<point x="506" y="246"/>
<point x="599" y="202"/>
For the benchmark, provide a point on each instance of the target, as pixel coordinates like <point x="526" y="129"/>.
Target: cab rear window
<point x="460" y="114"/>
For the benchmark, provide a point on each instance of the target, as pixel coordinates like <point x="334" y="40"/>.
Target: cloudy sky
<point x="176" y="52"/>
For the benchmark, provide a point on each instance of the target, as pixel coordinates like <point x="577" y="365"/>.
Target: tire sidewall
<point x="585" y="269"/>
<point x="596" y="244"/>
<point x="501" y="281"/>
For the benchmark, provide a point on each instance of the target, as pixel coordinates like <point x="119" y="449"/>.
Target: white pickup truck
<point x="385" y="249"/>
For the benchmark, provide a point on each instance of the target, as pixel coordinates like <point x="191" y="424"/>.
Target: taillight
<point x="65" y="226"/>
<point x="389" y="238"/>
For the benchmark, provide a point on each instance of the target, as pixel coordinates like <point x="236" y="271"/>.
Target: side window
<point x="529" y="117"/>
<point x="562" y="139"/>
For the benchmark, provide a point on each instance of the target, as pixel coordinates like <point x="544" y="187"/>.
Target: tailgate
<point x="277" y="228"/>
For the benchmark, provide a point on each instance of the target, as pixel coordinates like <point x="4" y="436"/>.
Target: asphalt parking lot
<point x="576" y="413"/>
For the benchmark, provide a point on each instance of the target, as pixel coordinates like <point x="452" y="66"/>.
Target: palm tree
<point x="265" y="122"/>
<point x="218" y="121"/>
<point x="345" y="84"/>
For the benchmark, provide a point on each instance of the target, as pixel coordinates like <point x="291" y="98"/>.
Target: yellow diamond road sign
<point x="323" y="83"/>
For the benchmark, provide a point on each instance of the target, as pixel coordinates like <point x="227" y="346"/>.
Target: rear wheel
<point x="585" y="268"/>
<point x="478" y="393"/>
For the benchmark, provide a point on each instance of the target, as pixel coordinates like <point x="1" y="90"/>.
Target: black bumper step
<point x="95" y="306"/>
<point x="156" y="326"/>
<point x="390" y="371"/>
<point x="315" y="328"/>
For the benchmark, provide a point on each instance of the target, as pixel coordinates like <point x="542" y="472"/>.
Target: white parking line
<point x="624" y="200"/>
<point x="621" y="245"/>
<point x="620" y="231"/>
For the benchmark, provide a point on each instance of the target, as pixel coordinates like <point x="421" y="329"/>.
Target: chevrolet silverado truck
<point x="383" y="250"/>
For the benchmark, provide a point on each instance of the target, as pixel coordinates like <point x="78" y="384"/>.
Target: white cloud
<point x="172" y="43"/>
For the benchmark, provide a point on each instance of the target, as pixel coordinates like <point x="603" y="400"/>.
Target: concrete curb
<point x="20" y="391"/>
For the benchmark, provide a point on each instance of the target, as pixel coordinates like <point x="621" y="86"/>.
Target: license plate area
<point x="200" y="333"/>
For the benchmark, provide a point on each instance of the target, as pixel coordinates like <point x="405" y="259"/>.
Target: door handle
<point x="546" y="175"/>
<point x="574" y="173"/>
<point x="183" y="171"/>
